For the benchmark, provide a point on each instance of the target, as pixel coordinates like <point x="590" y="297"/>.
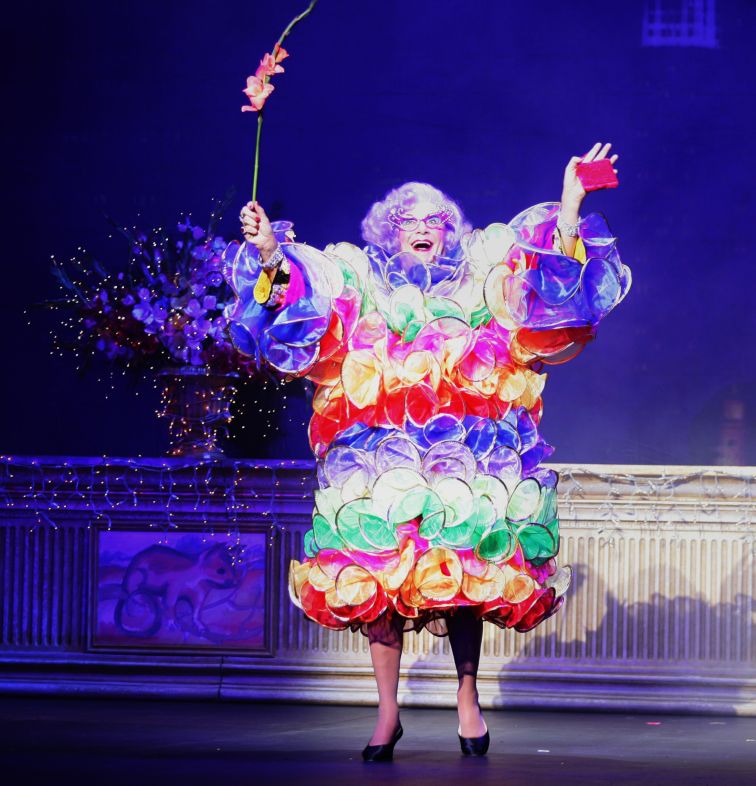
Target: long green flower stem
<point x="257" y="155"/>
<point x="280" y="41"/>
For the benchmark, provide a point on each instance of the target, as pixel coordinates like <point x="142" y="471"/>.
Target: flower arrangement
<point x="259" y="88"/>
<point x="163" y="309"/>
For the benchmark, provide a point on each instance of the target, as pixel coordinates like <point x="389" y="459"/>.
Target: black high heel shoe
<point x="474" y="746"/>
<point x="384" y="752"/>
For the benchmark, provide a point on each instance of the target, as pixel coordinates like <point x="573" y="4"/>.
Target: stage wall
<point x="115" y="580"/>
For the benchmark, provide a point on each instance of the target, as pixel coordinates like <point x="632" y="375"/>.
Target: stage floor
<point x="143" y="742"/>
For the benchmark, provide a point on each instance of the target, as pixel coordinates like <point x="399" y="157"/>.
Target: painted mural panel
<point x="187" y="590"/>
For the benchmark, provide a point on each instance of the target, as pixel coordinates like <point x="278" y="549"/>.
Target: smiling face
<point x="422" y="230"/>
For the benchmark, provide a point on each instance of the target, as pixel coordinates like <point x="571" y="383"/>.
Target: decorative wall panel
<point x="660" y="615"/>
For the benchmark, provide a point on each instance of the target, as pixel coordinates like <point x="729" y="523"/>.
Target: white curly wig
<point x="376" y="228"/>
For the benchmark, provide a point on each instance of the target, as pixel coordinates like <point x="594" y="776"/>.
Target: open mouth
<point x="422" y="245"/>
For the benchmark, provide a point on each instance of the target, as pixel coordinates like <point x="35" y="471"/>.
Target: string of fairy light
<point x="208" y="489"/>
<point x="107" y="487"/>
<point x="100" y="317"/>
<point x="80" y="285"/>
<point x="46" y="485"/>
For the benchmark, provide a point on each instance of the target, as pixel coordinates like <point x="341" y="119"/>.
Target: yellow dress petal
<point x="438" y="574"/>
<point x="318" y="579"/>
<point x="355" y="585"/>
<point x="512" y="384"/>
<point x="394" y="579"/>
<point x="534" y="384"/>
<point x="361" y="377"/>
<point x="520" y="588"/>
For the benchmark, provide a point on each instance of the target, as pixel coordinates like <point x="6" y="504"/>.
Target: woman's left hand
<point x="573" y="192"/>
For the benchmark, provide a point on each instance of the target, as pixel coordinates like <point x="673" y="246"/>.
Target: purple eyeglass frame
<point x="395" y="217"/>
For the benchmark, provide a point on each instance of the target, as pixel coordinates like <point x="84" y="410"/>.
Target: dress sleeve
<point x="313" y="318"/>
<point x="552" y="303"/>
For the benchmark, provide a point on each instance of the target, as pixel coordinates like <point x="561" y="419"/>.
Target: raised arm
<point x="573" y="195"/>
<point x="257" y="229"/>
<point x="275" y="277"/>
<point x="295" y="306"/>
<point x="561" y="275"/>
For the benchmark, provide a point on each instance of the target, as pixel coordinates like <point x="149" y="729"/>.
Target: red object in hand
<point x="597" y="174"/>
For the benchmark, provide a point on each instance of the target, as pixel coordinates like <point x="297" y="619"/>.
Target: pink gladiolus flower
<point x="257" y="91"/>
<point x="268" y="66"/>
<point x="259" y="87"/>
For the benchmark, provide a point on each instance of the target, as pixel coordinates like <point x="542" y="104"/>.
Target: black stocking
<point x="386" y="635"/>
<point x="465" y="638"/>
<point x="388" y="630"/>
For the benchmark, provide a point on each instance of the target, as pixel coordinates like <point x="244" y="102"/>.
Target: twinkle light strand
<point x="107" y="485"/>
<point x="52" y="489"/>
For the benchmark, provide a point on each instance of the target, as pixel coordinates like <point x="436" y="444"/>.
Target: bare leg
<point x="465" y="637"/>
<point x="386" y="636"/>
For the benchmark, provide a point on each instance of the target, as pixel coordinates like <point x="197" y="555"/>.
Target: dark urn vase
<point x="197" y="404"/>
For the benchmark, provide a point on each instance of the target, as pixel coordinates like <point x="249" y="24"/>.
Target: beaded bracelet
<point x="571" y="230"/>
<point x="274" y="261"/>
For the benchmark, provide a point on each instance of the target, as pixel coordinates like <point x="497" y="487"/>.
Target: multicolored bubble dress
<point x="426" y="414"/>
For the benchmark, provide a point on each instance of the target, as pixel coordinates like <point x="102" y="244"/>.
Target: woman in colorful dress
<point x="426" y="347"/>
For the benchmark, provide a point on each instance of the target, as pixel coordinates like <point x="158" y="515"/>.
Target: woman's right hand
<point x="256" y="229"/>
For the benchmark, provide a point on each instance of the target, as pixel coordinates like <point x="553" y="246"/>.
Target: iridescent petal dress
<point x="432" y="494"/>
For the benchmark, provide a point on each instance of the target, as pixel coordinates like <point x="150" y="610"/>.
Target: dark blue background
<point x="134" y="110"/>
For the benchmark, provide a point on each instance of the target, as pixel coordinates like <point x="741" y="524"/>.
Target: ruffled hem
<point x="522" y="617"/>
<point x="434" y="620"/>
<point x="421" y="581"/>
